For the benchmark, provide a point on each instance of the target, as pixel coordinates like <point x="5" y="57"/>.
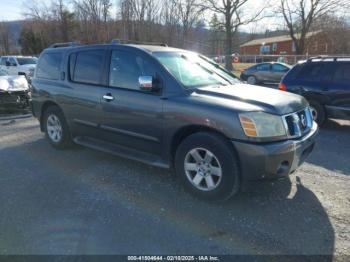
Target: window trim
<point x="76" y="52"/>
<point x="109" y="60"/>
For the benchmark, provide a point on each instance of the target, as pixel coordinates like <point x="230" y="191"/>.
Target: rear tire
<point x="318" y="112"/>
<point x="208" y="166"/>
<point x="56" y="128"/>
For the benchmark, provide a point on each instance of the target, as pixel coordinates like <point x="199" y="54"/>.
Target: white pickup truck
<point x="18" y="65"/>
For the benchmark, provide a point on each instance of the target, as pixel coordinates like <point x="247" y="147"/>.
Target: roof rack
<point x="328" y="58"/>
<point x="125" y="41"/>
<point x="67" y="44"/>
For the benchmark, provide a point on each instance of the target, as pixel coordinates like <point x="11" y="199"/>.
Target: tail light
<point x="282" y="87"/>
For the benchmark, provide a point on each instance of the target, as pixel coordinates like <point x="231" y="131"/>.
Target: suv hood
<point x="256" y="98"/>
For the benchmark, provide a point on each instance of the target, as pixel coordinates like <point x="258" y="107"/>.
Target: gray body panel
<point x="150" y="123"/>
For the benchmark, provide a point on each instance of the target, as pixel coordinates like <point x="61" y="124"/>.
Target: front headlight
<point x="260" y="125"/>
<point x="4" y="85"/>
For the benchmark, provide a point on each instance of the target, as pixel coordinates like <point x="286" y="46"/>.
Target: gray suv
<point x="171" y="108"/>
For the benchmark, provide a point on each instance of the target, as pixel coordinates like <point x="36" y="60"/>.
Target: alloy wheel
<point x="203" y="169"/>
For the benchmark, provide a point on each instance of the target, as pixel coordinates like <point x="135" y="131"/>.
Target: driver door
<point x="131" y="117"/>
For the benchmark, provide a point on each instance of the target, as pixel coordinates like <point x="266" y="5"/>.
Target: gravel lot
<point x="82" y="201"/>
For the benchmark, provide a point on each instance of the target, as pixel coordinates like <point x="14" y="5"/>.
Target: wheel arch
<point x="44" y="107"/>
<point x="184" y="132"/>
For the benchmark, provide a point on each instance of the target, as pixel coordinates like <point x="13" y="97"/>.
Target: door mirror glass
<point x="147" y="83"/>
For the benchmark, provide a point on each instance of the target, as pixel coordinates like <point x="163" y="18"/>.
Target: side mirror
<point x="148" y="83"/>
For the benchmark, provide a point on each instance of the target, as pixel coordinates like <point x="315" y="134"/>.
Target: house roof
<point x="275" y="39"/>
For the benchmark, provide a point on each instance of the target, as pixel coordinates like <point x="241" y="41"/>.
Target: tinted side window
<point x="311" y="71"/>
<point x="126" y="68"/>
<point x="279" y="68"/>
<point x="88" y="67"/>
<point x="263" y="67"/>
<point x="12" y="61"/>
<point x="342" y="73"/>
<point x="49" y="66"/>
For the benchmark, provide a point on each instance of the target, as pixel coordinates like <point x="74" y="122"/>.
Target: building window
<point x="264" y="49"/>
<point x="293" y="47"/>
<point x="274" y="47"/>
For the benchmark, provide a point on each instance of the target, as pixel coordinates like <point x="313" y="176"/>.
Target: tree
<point x="4" y="38"/>
<point x="189" y="12"/>
<point x="234" y="15"/>
<point x="64" y="18"/>
<point x="299" y="16"/>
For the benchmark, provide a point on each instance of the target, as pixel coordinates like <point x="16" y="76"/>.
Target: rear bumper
<point x="274" y="160"/>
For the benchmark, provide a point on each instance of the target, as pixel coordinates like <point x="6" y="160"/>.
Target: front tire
<point x="208" y="167"/>
<point x="318" y="112"/>
<point x="56" y="128"/>
<point x="252" y="80"/>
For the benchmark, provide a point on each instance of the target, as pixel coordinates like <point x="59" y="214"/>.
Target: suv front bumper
<point x="274" y="160"/>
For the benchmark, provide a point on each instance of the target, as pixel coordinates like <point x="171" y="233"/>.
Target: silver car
<point x="270" y="72"/>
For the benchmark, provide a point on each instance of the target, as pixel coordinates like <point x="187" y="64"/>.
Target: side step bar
<point x="121" y="151"/>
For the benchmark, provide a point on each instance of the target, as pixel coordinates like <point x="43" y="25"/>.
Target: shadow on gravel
<point x="332" y="149"/>
<point x="85" y="202"/>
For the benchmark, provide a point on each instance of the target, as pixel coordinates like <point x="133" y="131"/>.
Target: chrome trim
<point x="296" y="123"/>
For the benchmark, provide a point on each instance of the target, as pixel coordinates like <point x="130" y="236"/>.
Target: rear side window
<point x="311" y="71"/>
<point x="88" y="66"/>
<point x="342" y="73"/>
<point x="49" y="66"/>
<point x="279" y="68"/>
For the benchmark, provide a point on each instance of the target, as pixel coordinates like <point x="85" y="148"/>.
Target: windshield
<point x="192" y="70"/>
<point x="27" y="60"/>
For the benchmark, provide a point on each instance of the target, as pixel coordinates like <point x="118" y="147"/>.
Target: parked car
<point x="18" y="65"/>
<point x="270" y="72"/>
<point x="14" y="91"/>
<point x="171" y="108"/>
<point x="325" y="83"/>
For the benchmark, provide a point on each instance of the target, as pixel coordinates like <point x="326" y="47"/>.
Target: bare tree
<point x="234" y="15"/>
<point x="4" y="38"/>
<point x="189" y="12"/>
<point x="299" y="16"/>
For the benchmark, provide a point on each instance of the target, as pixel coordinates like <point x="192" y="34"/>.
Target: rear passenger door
<point x="82" y="98"/>
<point x="339" y="91"/>
<point x="131" y="117"/>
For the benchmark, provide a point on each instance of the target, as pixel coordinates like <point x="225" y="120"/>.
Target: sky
<point x="13" y="10"/>
<point x="10" y="9"/>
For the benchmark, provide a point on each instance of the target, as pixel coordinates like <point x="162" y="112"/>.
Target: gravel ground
<point x="82" y="201"/>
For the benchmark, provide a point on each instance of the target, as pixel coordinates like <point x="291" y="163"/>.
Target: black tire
<point x="253" y="80"/>
<point x="66" y="140"/>
<point x="320" y="112"/>
<point x="229" y="184"/>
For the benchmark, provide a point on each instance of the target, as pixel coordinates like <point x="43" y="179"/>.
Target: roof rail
<point x="324" y="57"/>
<point x="67" y="44"/>
<point x="125" y="41"/>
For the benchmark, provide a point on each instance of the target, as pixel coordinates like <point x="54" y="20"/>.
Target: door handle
<point x="108" y="97"/>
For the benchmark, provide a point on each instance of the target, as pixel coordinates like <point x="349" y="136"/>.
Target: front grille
<point x="19" y="98"/>
<point x="298" y="123"/>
